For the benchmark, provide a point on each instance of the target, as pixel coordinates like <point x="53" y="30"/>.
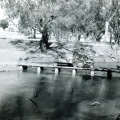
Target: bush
<point x="4" y="24"/>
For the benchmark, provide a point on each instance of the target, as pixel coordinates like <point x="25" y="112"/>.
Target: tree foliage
<point x="115" y="22"/>
<point x="4" y="24"/>
<point x="84" y="17"/>
<point x="95" y="21"/>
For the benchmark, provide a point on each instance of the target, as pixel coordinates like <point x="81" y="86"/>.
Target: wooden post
<point x="92" y="73"/>
<point x="24" y="68"/>
<point x="40" y="69"/>
<point x="74" y="72"/>
<point x="21" y="67"/>
<point x="57" y="71"/>
<point x="109" y="74"/>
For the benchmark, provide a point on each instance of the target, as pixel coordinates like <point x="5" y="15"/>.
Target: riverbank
<point x="19" y="48"/>
<point x="104" y="52"/>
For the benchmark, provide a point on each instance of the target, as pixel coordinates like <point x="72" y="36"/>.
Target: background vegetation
<point x="93" y="19"/>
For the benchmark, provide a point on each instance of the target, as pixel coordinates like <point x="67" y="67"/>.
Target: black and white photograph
<point x="59" y="59"/>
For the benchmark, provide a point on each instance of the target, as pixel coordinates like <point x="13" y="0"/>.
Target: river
<point x="31" y="96"/>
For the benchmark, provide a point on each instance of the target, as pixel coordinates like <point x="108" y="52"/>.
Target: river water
<point x="31" y="96"/>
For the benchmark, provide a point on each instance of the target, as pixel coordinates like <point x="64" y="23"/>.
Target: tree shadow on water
<point x="12" y="108"/>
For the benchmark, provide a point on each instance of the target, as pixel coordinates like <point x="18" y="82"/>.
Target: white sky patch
<point x="2" y="14"/>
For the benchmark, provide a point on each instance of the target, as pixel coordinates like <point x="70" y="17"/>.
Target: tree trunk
<point x="79" y="37"/>
<point x="34" y="33"/>
<point x="98" y="38"/>
<point x="110" y="38"/>
<point x="44" y="45"/>
<point x="118" y="42"/>
<point x="106" y="30"/>
<point x="41" y="45"/>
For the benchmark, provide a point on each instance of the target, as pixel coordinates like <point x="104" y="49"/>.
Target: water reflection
<point x="12" y="108"/>
<point x="62" y="97"/>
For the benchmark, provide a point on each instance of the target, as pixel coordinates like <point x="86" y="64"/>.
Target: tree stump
<point x="109" y="74"/>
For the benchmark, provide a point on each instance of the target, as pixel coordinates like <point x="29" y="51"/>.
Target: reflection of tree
<point x="65" y="110"/>
<point x="40" y="86"/>
<point x="12" y="108"/>
<point x="19" y="110"/>
<point x="64" y="104"/>
<point x="112" y="89"/>
<point x="92" y="116"/>
<point x="60" y="103"/>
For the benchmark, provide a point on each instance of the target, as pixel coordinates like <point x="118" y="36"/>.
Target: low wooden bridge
<point x="40" y="67"/>
<point x="68" y="67"/>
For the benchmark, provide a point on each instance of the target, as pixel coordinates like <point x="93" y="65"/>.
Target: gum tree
<point x="33" y="14"/>
<point x="114" y="26"/>
<point x="45" y="16"/>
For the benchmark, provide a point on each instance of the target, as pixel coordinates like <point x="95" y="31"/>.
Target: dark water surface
<point x="28" y="96"/>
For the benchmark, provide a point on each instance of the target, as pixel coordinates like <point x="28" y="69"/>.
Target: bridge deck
<point x="50" y="66"/>
<point x="66" y="67"/>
